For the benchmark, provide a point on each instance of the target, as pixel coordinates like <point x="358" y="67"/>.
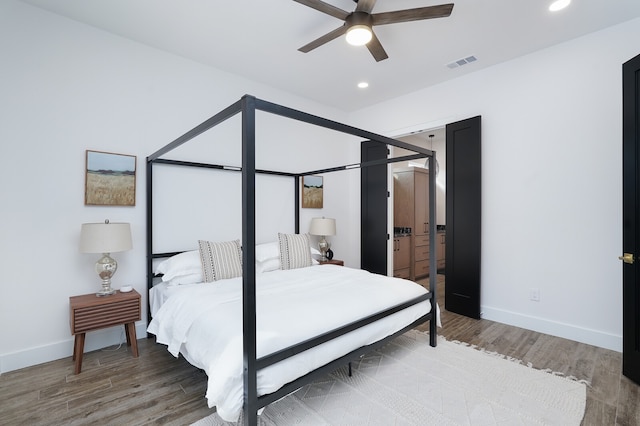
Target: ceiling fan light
<point x="559" y="5"/>
<point x="359" y="35"/>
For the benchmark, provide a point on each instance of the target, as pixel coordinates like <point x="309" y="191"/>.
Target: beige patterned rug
<point x="407" y="382"/>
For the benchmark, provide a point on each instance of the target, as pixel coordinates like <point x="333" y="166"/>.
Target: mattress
<point x="203" y="322"/>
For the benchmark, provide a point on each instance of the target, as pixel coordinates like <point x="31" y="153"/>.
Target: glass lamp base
<point x="106" y="266"/>
<point x="105" y="292"/>
<point x="323" y="246"/>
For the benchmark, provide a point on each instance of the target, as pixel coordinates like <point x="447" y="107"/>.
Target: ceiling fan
<point x="358" y="24"/>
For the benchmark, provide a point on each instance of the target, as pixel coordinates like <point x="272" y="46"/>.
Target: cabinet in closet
<point x="421" y="251"/>
<point x="440" y="240"/>
<point x="402" y="257"/>
<point x="411" y="209"/>
<point x="421" y="201"/>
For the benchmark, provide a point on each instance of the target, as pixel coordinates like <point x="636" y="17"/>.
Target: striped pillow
<point x="220" y="260"/>
<point x="295" y="251"/>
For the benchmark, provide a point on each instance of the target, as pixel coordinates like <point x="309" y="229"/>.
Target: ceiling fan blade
<point x="324" y="39"/>
<point x="365" y="5"/>
<point x="376" y="48"/>
<point x="429" y="12"/>
<point x="329" y="9"/>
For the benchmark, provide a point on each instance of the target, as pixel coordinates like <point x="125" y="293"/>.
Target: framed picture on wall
<point x="312" y="192"/>
<point x="110" y="179"/>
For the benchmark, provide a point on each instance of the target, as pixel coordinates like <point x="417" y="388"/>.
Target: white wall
<point x="67" y="87"/>
<point x="551" y="180"/>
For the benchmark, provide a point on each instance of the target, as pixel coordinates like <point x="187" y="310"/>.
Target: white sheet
<point x="204" y="322"/>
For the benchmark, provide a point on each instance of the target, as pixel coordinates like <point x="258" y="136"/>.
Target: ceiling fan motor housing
<point x="359" y="18"/>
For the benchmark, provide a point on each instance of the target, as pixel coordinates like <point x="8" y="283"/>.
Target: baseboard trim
<point x="63" y="349"/>
<point x="115" y="335"/>
<point x="554" y="328"/>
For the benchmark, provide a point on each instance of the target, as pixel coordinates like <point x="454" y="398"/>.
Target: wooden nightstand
<point x="89" y="313"/>
<point x="332" y="262"/>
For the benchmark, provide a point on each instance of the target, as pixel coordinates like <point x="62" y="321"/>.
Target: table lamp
<point x="105" y="238"/>
<point x="323" y="227"/>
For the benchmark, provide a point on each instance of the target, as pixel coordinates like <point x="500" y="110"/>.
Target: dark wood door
<point x="463" y="202"/>
<point x="373" y="209"/>
<point x="631" y="219"/>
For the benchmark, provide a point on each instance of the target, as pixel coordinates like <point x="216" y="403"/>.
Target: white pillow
<point x="271" y="250"/>
<point x="186" y="263"/>
<point x="267" y="251"/>
<point x="268" y="265"/>
<point x="220" y="260"/>
<point x="186" y="279"/>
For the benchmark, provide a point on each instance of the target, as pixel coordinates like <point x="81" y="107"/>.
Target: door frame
<point x="473" y="291"/>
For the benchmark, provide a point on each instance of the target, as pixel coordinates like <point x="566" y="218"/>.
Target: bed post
<point x="149" y="236"/>
<point x="296" y="202"/>
<point x="433" y="267"/>
<point x="249" y="264"/>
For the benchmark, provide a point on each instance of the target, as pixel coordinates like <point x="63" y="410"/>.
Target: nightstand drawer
<point x="89" y="312"/>
<point x="112" y="314"/>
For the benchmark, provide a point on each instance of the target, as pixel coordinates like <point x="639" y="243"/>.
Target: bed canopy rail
<point x="247" y="107"/>
<point x="248" y="102"/>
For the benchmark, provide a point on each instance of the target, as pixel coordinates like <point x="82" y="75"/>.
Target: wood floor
<point x="116" y="389"/>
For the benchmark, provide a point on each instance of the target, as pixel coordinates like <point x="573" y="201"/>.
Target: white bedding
<point x="204" y="323"/>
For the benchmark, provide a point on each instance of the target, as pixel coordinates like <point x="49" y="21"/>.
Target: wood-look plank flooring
<point x="116" y="389"/>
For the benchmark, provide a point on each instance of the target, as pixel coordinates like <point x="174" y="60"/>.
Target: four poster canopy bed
<point x="261" y="319"/>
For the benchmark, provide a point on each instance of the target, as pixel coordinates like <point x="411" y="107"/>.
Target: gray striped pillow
<point x="295" y="251"/>
<point x="220" y="260"/>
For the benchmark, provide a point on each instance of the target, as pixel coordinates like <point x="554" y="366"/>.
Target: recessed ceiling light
<point x="363" y="85"/>
<point x="559" y="5"/>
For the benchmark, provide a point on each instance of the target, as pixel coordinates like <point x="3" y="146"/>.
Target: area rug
<point x="407" y="382"/>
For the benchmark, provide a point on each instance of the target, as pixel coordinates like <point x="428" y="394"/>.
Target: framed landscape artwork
<point x="110" y="179"/>
<point x="312" y="192"/>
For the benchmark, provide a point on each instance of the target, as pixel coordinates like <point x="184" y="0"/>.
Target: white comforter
<point x="204" y="323"/>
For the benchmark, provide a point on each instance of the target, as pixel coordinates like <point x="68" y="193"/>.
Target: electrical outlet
<point x="534" y="294"/>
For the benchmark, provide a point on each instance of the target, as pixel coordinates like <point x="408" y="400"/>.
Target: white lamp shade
<point x="322" y="226"/>
<point x="105" y="237"/>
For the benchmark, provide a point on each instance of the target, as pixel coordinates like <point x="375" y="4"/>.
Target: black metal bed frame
<point x="247" y="106"/>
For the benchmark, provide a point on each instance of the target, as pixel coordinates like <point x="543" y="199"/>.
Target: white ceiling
<point x="259" y="39"/>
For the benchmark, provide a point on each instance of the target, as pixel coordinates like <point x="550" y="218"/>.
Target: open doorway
<point x="459" y="183"/>
<point x="411" y="249"/>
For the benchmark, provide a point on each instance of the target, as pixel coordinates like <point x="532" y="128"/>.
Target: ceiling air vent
<point x="461" y="62"/>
